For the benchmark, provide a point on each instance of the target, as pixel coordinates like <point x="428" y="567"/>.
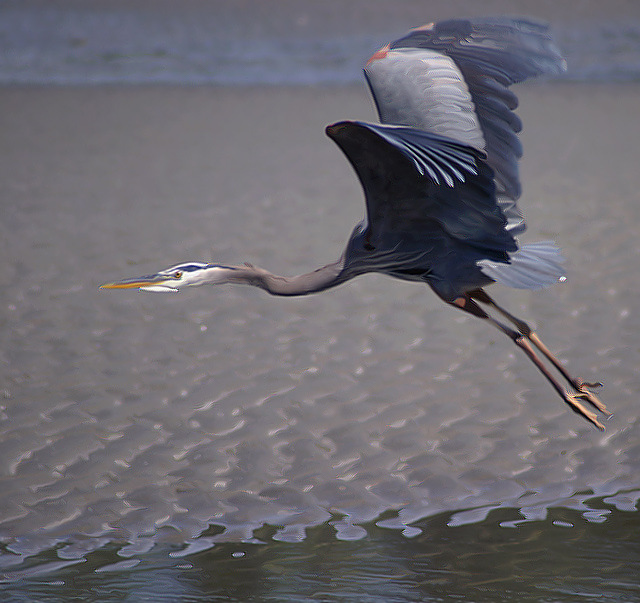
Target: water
<point x="223" y="42"/>
<point x="222" y="444"/>
<point x="477" y="562"/>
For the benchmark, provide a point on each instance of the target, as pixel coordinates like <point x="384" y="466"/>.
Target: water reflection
<point x="563" y="558"/>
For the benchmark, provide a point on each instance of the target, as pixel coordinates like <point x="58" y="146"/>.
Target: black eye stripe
<point x="196" y="267"/>
<point x="222" y="266"/>
<point x="186" y="268"/>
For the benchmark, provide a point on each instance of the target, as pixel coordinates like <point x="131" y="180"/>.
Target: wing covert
<point x="413" y="179"/>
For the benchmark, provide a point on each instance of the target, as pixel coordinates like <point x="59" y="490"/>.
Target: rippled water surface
<point x="560" y="559"/>
<point x="133" y="422"/>
<point x="366" y="444"/>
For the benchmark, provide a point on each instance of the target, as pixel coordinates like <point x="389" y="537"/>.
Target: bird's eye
<point x="177" y="274"/>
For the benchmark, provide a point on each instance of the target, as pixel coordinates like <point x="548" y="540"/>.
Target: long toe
<point x="584" y="393"/>
<point x="582" y="383"/>
<point x="573" y="401"/>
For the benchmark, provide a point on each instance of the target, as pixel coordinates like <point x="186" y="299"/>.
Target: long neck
<point x="323" y="278"/>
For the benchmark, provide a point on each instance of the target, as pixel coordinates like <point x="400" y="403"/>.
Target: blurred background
<point x="277" y="42"/>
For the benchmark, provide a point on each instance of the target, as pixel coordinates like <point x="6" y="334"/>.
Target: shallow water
<point x="139" y="429"/>
<point x="366" y="444"/>
<point x="562" y="558"/>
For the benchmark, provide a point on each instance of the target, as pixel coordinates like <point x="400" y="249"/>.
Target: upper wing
<point x="452" y="79"/>
<point x="414" y="180"/>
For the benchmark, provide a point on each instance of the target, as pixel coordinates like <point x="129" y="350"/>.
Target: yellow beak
<point x="141" y="282"/>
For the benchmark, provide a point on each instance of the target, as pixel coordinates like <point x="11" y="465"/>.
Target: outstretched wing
<point x="452" y="79"/>
<point x="414" y="180"/>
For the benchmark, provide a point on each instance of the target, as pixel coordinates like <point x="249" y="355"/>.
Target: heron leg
<point x="580" y="386"/>
<point x="522" y="340"/>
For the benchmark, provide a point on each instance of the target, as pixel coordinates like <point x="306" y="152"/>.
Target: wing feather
<point x="452" y="79"/>
<point x="413" y="179"/>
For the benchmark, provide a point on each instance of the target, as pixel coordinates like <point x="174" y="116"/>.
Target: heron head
<point x="190" y="274"/>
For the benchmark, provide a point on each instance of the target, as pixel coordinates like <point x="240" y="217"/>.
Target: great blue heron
<point x="440" y="179"/>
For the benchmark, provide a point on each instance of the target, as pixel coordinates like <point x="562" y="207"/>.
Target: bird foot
<point x="585" y="393"/>
<point x="573" y="400"/>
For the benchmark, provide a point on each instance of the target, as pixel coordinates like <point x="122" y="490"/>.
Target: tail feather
<point x="533" y="266"/>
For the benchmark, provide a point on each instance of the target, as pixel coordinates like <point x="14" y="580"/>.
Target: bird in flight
<point x="440" y="180"/>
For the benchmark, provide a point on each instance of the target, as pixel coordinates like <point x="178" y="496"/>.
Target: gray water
<point x="228" y="42"/>
<point x="366" y="444"/>
<point x="559" y="559"/>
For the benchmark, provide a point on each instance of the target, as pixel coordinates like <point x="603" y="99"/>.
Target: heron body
<point x="440" y="180"/>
